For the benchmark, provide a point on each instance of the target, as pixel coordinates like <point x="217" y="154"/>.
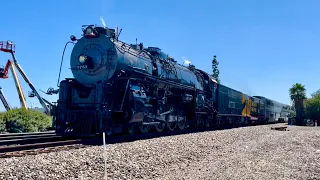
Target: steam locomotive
<point x="119" y="87"/>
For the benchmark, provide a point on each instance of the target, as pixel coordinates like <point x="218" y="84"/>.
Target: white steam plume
<point x="102" y="21"/>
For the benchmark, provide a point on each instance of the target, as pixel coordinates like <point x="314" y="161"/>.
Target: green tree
<point x="215" y="70"/>
<point x="298" y="95"/>
<point x="312" y="106"/>
<point x="315" y="94"/>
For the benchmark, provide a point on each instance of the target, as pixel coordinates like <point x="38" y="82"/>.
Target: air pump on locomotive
<point x="121" y="87"/>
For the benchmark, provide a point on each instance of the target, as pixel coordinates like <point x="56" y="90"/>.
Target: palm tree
<point x="298" y="95"/>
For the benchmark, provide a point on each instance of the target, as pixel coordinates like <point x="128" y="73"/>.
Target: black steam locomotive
<point x="119" y="87"/>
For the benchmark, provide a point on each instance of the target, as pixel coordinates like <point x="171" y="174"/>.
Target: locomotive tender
<point x="120" y="87"/>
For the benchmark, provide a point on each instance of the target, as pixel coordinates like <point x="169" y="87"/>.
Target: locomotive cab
<point x="210" y="85"/>
<point x="213" y="84"/>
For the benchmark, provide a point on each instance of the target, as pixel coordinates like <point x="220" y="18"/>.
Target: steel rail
<point x="23" y="134"/>
<point x="6" y="151"/>
<point x="29" y="140"/>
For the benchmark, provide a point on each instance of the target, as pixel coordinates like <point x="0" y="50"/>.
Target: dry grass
<point x="242" y="153"/>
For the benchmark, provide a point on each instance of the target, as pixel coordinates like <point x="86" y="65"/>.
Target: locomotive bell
<point x="93" y="60"/>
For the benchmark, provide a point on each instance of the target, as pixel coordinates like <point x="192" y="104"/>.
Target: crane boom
<point x="10" y="66"/>
<point x="4" y="100"/>
<point x="24" y="76"/>
<point x="18" y="86"/>
<point x="10" y="48"/>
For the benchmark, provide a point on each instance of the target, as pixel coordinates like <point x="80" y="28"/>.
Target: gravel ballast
<point x="242" y="153"/>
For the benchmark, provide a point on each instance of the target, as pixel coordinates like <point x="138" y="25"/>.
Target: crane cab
<point x="2" y="72"/>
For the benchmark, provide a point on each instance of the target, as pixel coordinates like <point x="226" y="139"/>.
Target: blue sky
<point x="263" y="46"/>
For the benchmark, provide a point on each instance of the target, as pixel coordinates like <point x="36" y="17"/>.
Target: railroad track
<point x="29" y="140"/>
<point x="36" y="144"/>
<point x="26" y="134"/>
<point x="32" y="146"/>
<point x="37" y="148"/>
<point x="20" y="144"/>
<point x="24" y="138"/>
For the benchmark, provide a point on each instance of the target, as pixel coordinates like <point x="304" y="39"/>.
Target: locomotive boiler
<point x="121" y="87"/>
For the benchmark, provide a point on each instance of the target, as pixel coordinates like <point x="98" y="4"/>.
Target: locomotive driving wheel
<point x="182" y="121"/>
<point x="162" y="124"/>
<point x="131" y="128"/>
<point x="143" y="128"/>
<point x="160" y="127"/>
<point x="171" y="120"/>
<point x="200" y="122"/>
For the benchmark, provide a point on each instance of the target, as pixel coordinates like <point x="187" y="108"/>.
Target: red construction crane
<point x="4" y="75"/>
<point x="7" y="46"/>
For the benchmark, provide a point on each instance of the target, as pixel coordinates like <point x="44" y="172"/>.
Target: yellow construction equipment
<point x="4" y="75"/>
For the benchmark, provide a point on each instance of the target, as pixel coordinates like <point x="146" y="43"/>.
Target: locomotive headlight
<point x="82" y="59"/>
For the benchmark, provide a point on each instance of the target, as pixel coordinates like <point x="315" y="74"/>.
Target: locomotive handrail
<point x="134" y="53"/>
<point x="64" y="49"/>
<point x="138" y="53"/>
<point x="161" y="80"/>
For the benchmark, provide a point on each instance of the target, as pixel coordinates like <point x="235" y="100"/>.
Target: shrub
<point x="2" y="123"/>
<point x="22" y="120"/>
<point x="312" y="106"/>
